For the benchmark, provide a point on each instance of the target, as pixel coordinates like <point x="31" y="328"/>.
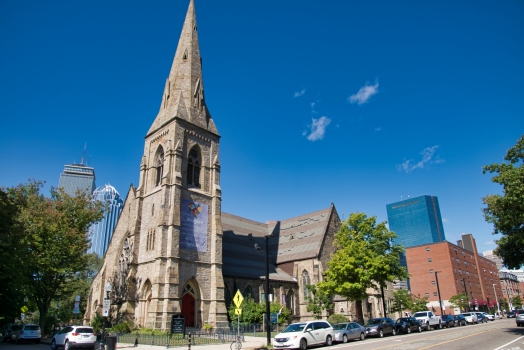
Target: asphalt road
<point x="496" y="335"/>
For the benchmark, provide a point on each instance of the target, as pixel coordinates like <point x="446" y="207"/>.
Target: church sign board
<point x="193" y="226"/>
<point x="178" y="324"/>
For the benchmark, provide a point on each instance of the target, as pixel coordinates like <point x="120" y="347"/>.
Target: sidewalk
<point x="250" y="343"/>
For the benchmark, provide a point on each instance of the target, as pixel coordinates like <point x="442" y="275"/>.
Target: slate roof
<point x="293" y="239"/>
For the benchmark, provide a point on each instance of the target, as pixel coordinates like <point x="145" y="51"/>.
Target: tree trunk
<point x="359" y="312"/>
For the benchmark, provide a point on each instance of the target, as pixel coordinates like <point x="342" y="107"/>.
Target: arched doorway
<point x="189" y="306"/>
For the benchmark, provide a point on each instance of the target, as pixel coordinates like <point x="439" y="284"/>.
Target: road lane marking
<point x="508" y="343"/>
<point x="452" y="340"/>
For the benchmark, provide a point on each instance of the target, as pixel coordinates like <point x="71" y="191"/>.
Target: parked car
<point x="428" y="319"/>
<point x="511" y="314"/>
<point x="7" y="333"/>
<point x="470" y="317"/>
<point x="301" y="335"/>
<point x="74" y="337"/>
<point x="27" y="332"/>
<point x="460" y="320"/>
<point x="481" y="318"/>
<point x="490" y="317"/>
<point x="448" y="321"/>
<point x="520" y="319"/>
<point x="407" y="325"/>
<point x="349" y="330"/>
<point x="379" y="326"/>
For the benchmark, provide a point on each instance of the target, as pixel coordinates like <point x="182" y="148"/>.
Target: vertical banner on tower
<point x="193" y="226"/>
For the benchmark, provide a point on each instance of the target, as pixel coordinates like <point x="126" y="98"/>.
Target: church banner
<point x="193" y="226"/>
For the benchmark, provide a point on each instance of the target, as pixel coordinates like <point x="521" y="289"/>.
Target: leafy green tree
<point x="460" y="300"/>
<point x="402" y="300"/>
<point x="317" y="301"/>
<point x="285" y="314"/>
<point x="365" y="257"/>
<point x="251" y="311"/>
<point x="516" y="301"/>
<point x="419" y="303"/>
<point x="337" y="318"/>
<point x="54" y="241"/>
<point x="506" y="212"/>
<point x="503" y="303"/>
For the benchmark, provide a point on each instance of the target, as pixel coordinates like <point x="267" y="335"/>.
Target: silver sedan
<point x="349" y="330"/>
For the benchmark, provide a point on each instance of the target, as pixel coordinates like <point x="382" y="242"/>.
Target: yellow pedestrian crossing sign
<point x="238" y="311"/>
<point x="238" y="299"/>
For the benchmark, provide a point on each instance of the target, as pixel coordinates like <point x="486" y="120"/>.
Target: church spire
<point x="184" y="90"/>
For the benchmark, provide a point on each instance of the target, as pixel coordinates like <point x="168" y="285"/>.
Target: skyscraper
<point x="416" y="221"/>
<point x="77" y="177"/>
<point x="102" y="231"/>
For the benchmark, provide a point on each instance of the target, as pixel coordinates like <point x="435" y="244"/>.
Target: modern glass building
<point x="416" y="221"/>
<point x="77" y="177"/>
<point x="102" y="231"/>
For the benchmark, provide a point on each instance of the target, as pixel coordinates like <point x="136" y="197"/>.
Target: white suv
<point x="26" y="332"/>
<point x="74" y="337"/>
<point x="301" y="335"/>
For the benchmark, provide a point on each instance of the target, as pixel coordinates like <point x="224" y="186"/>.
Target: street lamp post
<point x="438" y="291"/>
<point x="106" y="313"/>
<point x="268" y="314"/>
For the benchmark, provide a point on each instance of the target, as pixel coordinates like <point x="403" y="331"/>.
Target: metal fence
<point x="198" y="337"/>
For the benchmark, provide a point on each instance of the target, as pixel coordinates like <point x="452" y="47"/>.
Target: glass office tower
<point x="416" y="221"/>
<point x="102" y="231"/>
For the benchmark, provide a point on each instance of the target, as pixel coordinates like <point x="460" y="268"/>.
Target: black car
<point x="377" y="327"/>
<point x="460" y="320"/>
<point x="511" y="314"/>
<point x="407" y="325"/>
<point x="448" y="321"/>
<point x="481" y="318"/>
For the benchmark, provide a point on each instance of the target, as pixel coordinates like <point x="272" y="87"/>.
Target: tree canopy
<point x="460" y="300"/>
<point x="365" y="257"/>
<point x="506" y="211"/>
<point x="48" y="240"/>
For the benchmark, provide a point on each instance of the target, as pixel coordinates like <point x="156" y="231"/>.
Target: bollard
<point x="136" y="340"/>
<point x="189" y="341"/>
<point x="152" y="338"/>
<point x="167" y="342"/>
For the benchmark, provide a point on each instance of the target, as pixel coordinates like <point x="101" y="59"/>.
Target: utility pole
<point x="438" y="292"/>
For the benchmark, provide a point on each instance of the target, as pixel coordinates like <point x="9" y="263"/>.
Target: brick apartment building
<point x="459" y="269"/>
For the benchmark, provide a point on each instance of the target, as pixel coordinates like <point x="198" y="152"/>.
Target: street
<point x="497" y="335"/>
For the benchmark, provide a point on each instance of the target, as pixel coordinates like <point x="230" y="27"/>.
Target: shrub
<point x="208" y="327"/>
<point x="337" y="318"/>
<point x="124" y="327"/>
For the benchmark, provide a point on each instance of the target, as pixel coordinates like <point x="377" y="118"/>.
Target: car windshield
<point x="400" y="320"/>
<point x="296" y="327"/>
<point x="420" y="314"/>
<point x="84" y="330"/>
<point x="374" y="321"/>
<point x="339" y="326"/>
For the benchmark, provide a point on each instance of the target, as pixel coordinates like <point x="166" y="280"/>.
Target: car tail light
<point x="94" y="334"/>
<point x="76" y="334"/>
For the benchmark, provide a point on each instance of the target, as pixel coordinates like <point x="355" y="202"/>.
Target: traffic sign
<point x="238" y="299"/>
<point x="238" y="311"/>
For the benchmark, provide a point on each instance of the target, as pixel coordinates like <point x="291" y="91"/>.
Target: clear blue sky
<point x="355" y="103"/>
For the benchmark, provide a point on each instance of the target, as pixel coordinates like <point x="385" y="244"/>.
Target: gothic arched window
<point x="305" y="282"/>
<point x="248" y="291"/>
<point x="193" y="167"/>
<point x="159" y="165"/>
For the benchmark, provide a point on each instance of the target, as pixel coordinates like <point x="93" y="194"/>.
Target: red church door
<point x="188" y="309"/>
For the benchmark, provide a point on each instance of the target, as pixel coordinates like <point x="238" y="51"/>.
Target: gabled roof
<point x="293" y="239"/>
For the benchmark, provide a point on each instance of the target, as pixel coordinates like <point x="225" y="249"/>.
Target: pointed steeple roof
<point x="184" y="90"/>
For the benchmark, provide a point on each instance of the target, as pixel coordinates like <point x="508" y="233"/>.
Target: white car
<point x="470" y="317"/>
<point x="26" y="332"/>
<point x="74" y="337"/>
<point x="301" y="335"/>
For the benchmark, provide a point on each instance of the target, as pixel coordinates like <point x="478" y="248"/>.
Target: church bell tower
<point x="179" y="199"/>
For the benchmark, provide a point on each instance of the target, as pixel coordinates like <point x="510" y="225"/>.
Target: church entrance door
<point x="188" y="309"/>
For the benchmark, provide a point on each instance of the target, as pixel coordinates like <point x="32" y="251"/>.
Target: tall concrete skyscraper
<point x="102" y="231"/>
<point x="416" y="221"/>
<point x="77" y="177"/>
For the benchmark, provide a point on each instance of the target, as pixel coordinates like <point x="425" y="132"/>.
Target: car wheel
<point x="440" y="325"/>
<point x="67" y="346"/>
<point x="53" y="345"/>
<point x="345" y="338"/>
<point x="329" y="341"/>
<point x="408" y="330"/>
<point x="419" y="329"/>
<point x="380" y="333"/>
<point x="428" y="327"/>
<point x="303" y="344"/>
<point x="362" y="335"/>
<point x="17" y="340"/>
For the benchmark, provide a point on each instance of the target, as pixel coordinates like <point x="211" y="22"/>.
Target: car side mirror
<point x="309" y="329"/>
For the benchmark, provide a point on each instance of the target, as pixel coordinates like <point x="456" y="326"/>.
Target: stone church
<point x="174" y="251"/>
